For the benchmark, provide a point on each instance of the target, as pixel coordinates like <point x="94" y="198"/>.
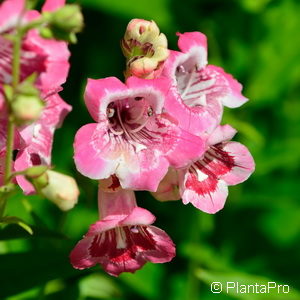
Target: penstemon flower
<point x="123" y="240"/>
<point x="201" y="89"/>
<point x="38" y="138"/>
<point x="204" y="183"/>
<point x="47" y="60"/>
<point x="161" y="135"/>
<point x="133" y="138"/>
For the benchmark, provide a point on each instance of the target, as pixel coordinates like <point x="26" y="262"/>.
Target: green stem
<point x="17" y="41"/>
<point x="9" y="150"/>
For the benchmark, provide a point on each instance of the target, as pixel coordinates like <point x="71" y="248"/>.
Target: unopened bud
<point x="61" y="189"/>
<point x="63" y="23"/>
<point x="145" y="49"/>
<point x="27" y="108"/>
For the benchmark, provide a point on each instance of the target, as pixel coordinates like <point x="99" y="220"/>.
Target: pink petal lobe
<point x="10" y="10"/>
<point x="229" y="89"/>
<point x="168" y="187"/>
<point x="138" y="216"/>
<point x="243" y="163"/>
<point x="204" y="192"/>
<point x="188" y="40"/>
<point x="99" y="92"/>
<point x="100" y="162"/>
<point x="220" y="134"/>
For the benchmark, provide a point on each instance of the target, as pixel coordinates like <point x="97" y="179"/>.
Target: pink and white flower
<point x="205" y="182"/>
<point x="38" y="139"/>
<point x="49" y="60"/>
<point x="133" y="138"/>
<point x="201" y="89"/>
<point x="124" y="239"/>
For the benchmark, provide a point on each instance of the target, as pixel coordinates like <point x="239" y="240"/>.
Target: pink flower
<point x="204" y="183"/>
<point x="47" y="58"/>
<point x="38" y="138"/>
<point x="123" y="240"/>
<point x="133" y="138"/>
<point x="201" y="89"/>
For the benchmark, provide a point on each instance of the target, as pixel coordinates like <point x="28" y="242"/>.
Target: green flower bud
<point x="63" y="23"/>
<point x="26" y="108"/>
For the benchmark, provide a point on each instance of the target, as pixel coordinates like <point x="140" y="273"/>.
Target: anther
<point x="180" y="69"/>
<point x="150" y="111"/>
<point x="134" y="229"/>
<point x="110" y="112"/>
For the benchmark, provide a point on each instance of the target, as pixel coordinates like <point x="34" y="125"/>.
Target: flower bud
<point x="61" y="189"/>
<point x="63" y="23"/>
<point x="27" y="108"/>
<point x="145" y="49"/>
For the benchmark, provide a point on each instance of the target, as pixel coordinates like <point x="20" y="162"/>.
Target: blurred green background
<point x="255" y="238"/>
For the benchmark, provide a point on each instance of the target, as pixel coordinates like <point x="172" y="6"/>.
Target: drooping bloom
<point x="133" y="138"/>
<point x="204" y="183"/>
<point x="201" y="89"/>
<point x="48" y="59"/>
<point x="124" y="239"/>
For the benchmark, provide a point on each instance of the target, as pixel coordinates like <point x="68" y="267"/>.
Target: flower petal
<point x="10" y="10"/>
<point x="99" y="92"/>
<point x="168" y="187"/>
<point x="205" y="192"/>
<point x="189" y="40"/>
<point x="243" y="163"/>
<point x="52" y="5"/>
<point x="93" y="156"/>
<point x="225" y="87"/>
<point x="220" y="134"/>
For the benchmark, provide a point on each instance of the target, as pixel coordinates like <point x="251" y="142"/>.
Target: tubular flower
<point x="124" y="239"/>
<point x="38" y="138"/>
<point x="133" y="138"/>
<point x="201" y="89"/>
<point x="47" y="58"/>
<point x="204" y="183"/>
<point x="145" y="49"/>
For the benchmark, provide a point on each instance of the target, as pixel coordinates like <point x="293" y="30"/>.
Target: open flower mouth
<point x="122" y="243"/>
<point x="128" y="119"/>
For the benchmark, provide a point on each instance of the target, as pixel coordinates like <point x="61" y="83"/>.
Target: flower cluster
<point x="30" y="82"/>
<point x="159" y="131"/>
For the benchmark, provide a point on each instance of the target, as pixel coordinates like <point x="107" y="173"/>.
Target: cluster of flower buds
<point x="29" y="93"/>
<point x="160" y="132"/>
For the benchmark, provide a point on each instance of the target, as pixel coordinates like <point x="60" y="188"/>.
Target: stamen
<point x="139" y="128"/>
<point x="181" y="69"/>
<point x="150" y="111"/>
<point x="110" y="112"/>
<point x="134" y="229"/>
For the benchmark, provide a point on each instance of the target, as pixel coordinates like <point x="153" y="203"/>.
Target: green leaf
<point x="18" y="221"/>
<point x="235" y="284"/>
<point x="145" y="281"/>
<point x="30" y="269"/>
<point x="98" y="286"/>
<point x="14" y="231"/>
<point x="158" y="9"/>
